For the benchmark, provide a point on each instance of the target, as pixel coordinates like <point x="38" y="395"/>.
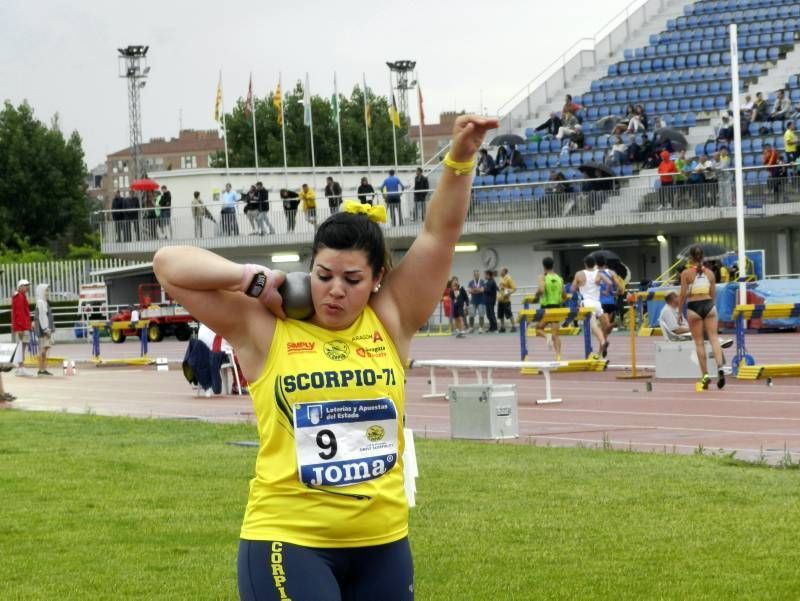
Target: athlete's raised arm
<point x="412" y="290"/>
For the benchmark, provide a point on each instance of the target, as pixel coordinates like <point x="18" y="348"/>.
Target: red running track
<point x="747" y="417"/>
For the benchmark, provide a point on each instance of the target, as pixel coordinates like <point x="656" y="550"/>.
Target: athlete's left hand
<point x="468" y="134"/>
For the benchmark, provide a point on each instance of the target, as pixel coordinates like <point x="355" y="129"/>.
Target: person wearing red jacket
<point x="666" y="169"/>
<point x="21" y="321"/>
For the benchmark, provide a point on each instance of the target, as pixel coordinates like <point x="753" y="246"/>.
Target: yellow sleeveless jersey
<point x="330" y="407"/>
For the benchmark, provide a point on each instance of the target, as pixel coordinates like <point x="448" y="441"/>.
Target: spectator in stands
<point x="782" y="107"/>
<point x="771" y="160"/>
<point x="392" y="189"/>
<point x="577" y="140"/>
<point x="291" y="200"/>
<point x="641" y="115"/>
<point x="365" y="192"/>
<point x="660" y="123"/>
<point x="790" y="142"/>
<point x="551" y="126"/>
<point x="617" y="154"/>
<point x="501" y="159"/>
<point x="568" y="123"/>
<point x="486" y="163"/>
<point x="421" y="187"/>
<point x="760" y="109"/>
<point x="666" y="171"/>
<point x="634" y="150"/>
<point x="333" y="192"/>
<point x="309" y="200"/>
<point x="570" y="106"/>
<point x="262" y="210"/>
<point x="635" y="123"/>
<point x="723" y="132"/>
<point x="746" y="110"/>
<point x="681" y="167"/>
<point x="516" y="161"/>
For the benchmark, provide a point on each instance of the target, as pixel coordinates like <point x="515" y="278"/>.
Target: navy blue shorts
<point x="273" y="570"/>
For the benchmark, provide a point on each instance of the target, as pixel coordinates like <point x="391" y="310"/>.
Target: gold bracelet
<point x="459" y="168"/>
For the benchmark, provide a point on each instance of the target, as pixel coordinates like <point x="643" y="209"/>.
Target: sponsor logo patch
<point x="375" y="433"/>
<point x="299" y="347"/>
<point x="336" y="350"/>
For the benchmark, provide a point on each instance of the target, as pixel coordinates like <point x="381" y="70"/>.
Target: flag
<point x="421" y="109"/>
<point x="394" y="116"/>
<point x="276" y="102"/>
<point x="334" y="109"/>
<point x="218" y="103"/>
<point x="306" y="104"/>
<point x="367" y="112"/>
<point x="248" y="104"/>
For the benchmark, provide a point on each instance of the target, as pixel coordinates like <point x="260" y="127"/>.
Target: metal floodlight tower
<point x="133" y="67"/>
<point x="402" y="69"/>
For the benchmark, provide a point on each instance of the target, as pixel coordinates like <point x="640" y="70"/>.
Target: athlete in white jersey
<point x="586" y="282"/>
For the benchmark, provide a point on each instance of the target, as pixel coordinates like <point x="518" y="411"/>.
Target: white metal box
<point x="679" y="360"/>
<point x="483" y="411"/>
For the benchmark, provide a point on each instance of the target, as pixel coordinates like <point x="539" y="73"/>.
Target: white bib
<point x="340" y="443"/>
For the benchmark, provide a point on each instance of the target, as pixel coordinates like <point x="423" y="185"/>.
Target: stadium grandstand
<point x="658" y="80"/>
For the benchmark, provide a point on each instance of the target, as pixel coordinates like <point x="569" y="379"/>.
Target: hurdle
<point x="632" y="310"/>
<point x="545" y="367"/>
<point x="744" y="365"/>
<point x="140" y="325"/>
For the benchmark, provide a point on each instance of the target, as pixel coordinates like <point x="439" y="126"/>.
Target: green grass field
<point x="109" y="508"/>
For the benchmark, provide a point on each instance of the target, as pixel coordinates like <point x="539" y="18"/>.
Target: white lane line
<point x="672" y="415"/>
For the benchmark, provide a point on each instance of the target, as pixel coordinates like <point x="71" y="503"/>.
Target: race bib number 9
<point x="340" y="443"/>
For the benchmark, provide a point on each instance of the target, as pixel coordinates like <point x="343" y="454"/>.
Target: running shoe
<point x="705" y="381"/>
<point x="7" y="397"/>
<point x="720" y="378"/>
<point x="726" y="342"/>
<point x="44" y="372"/>
<point x="604" y="349"/>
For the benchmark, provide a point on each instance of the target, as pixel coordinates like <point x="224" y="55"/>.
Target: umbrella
<point x="507" y="139"/>
<point x="607" y="124"/>
<point x="144" y="185"/>
<point x="595" y="170"/>
<point x="676" y="138"/>
<point x="711" y="251"/>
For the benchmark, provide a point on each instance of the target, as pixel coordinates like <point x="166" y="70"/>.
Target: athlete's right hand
<point x="271" y="298"/>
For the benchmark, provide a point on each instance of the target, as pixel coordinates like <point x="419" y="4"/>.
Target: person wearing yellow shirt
<point x="327" y="514"/>
<point x="790" y="142"/>
<point x="507" y="288"/>
<point x="309" y="200"/>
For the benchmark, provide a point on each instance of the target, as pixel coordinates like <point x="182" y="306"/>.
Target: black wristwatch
<point x="257" y="285"/>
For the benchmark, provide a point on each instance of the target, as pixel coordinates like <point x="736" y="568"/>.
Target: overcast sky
<point x="62" y="56"/>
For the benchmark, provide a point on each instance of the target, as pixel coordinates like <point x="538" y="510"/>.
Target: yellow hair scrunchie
<point x="376" y="213"/>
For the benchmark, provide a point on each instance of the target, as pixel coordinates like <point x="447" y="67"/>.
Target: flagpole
<point x="338" y="125"/>
<point x="311" y="129"/>
<point x="224" y="128"/>
<point x="253" y="114"/>
<point x="283" y="136"/>
<point x="421" y="121"/>
<point x="366" y="122"/>
<point x="394" y="129"/>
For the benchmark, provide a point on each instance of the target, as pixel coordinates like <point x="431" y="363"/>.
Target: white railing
<point x="520" y="207"/>
<point x="64" y="277"/>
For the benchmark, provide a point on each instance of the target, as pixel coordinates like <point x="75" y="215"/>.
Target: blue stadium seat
<point x="676" y="121"/>
<point x="494" y="196"/>
<point x="529" y="132"/>
<point x="504" y="196"/>
<point x="751" y="178"/>
<point x="555" y="145"/>
<point x="627" y="170"/>
<point x="598" y="156"/>
<point x="779" y="143"/>
<point x="511" y="178"/>
<point x="500" y="179"/>
<point x="763" y="176"/>
<point x="541" y="161"/>
<point x="757" y="145"/>
<point x="761" y="55"/>
<point x="575" y="159"/>
<point x="778" y="127"/>
<point x="527" y="194"/>
<point x="748" y="160"/>
<point x="628" y="54"/>
<point x="586" y="156"/>
<point x="747" y="145"/>
<point x="516" y="195"/>
<point x="697" y="104"/>
<point x="774" y="54"/>
<point x="538" y="193"/>
<point x="673" y="106"/>
<point x="482" y="196"/>
<point x="552" y="160"/>
<point x="691" y="120"/>
<point x="691" y="61"/>
<point x="708" y="103"/>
